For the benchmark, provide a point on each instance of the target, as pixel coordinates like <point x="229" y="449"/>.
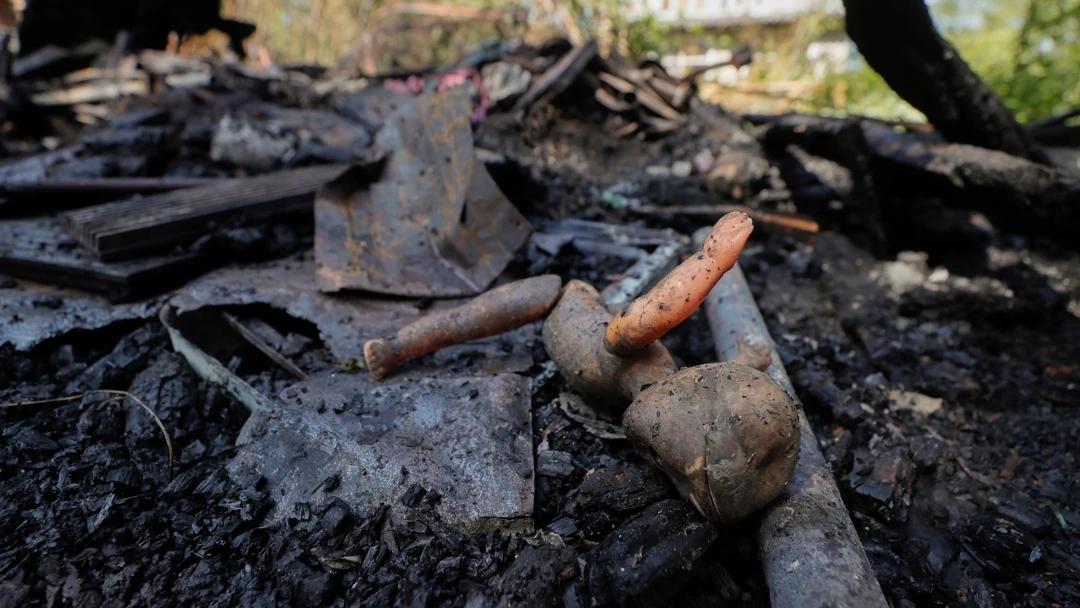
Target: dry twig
<point x="117" y="396"/>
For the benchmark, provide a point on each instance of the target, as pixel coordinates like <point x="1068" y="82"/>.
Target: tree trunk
<point x="899" y="40"/>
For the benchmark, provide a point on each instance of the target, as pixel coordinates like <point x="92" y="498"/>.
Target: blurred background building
<point x="801" y="58"/>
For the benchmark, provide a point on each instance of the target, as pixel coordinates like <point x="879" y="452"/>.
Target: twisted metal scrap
<point x="425" y="219"/>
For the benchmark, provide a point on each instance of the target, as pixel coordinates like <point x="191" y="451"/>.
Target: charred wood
<point x="622" y="489"/>
<point x="899" y="40"/>
<point x="643" y="562"/>
<point x="538" y="575"/>
<point x="38" y="250"/>
<point x="1015" y="194"/>
<point x="124" y="228"/>
<point x="1063" y="130"/>
<point x="559" y="76"/>
<point x="841" y="141"/>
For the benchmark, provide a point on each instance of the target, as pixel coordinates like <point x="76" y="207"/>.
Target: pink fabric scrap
<point x="415" y="85"/>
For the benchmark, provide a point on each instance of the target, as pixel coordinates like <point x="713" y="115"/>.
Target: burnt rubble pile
<point x="220" y="238"/>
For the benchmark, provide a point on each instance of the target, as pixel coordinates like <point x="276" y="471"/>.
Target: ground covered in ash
<point x="942" y="384"/>
<point x="86" y="490"/>
<point x="944" y="394"/>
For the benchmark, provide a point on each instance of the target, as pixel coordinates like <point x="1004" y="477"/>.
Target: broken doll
<point x="725" y="433"/>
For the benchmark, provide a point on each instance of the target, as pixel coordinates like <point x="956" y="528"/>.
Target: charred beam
<point x="559" y="76"/>
<point x="1015" y="194"/>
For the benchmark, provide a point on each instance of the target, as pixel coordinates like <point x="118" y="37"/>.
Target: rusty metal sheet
<point x="469" y="439"/>
<point x="424" y="220"/>
<point x="346" y="321"/>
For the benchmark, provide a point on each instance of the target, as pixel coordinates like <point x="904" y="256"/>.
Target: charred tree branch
<point x="899" y="40"/>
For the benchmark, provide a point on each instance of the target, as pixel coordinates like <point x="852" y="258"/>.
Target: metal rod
<point x="643" y="274"/>
<point x="255" y="340"/>
<point x="810" y="551"/>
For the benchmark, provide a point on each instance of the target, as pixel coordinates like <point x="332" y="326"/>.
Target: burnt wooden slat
<point x="134" y="226"/>
<point x="37" y="249"/>
<point x="110" y="185"/>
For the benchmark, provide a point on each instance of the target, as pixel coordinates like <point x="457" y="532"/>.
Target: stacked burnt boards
<point x="137" y="241"/>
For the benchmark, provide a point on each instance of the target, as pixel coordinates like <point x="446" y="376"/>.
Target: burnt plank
<point x="112" y="185"/>
<point x="135" y="226"/>
<point x="37" y="249"/>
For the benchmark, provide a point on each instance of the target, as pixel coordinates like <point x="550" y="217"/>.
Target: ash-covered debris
<point x="940" y="419"/>
<point x="883" y="478"/>
<point x="89" y="478"/>
<point x="31" y="313"/>
<point x="921" y="306"/>
<point x="344" y="437"/>
<point x="543" y="574"/>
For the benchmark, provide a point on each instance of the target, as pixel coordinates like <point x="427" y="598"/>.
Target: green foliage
<point x="1046" y="78"/>
<point x="646" y="37"/>
<point x="861" y="92"/>
<point x="1032" y="61"/>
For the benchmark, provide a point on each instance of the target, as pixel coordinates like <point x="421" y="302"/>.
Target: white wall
<point x="729" y="11"/>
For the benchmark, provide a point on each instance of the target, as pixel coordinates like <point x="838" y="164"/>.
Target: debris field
<point x="219" y="240"/>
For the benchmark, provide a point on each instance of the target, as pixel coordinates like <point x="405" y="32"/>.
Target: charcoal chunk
<point x="550" y="463"/>
<point x="646" y="560"/>
<point x="538" y="577"/>
<point x="621" y="489"/>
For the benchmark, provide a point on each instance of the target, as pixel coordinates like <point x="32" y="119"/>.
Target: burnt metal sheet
<point x="206" y="366"/>
<point x="469" y="439"/>
<point x="424" y="220"/>
<point x="31" y="313"/>
<point x="346" y="321"/>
